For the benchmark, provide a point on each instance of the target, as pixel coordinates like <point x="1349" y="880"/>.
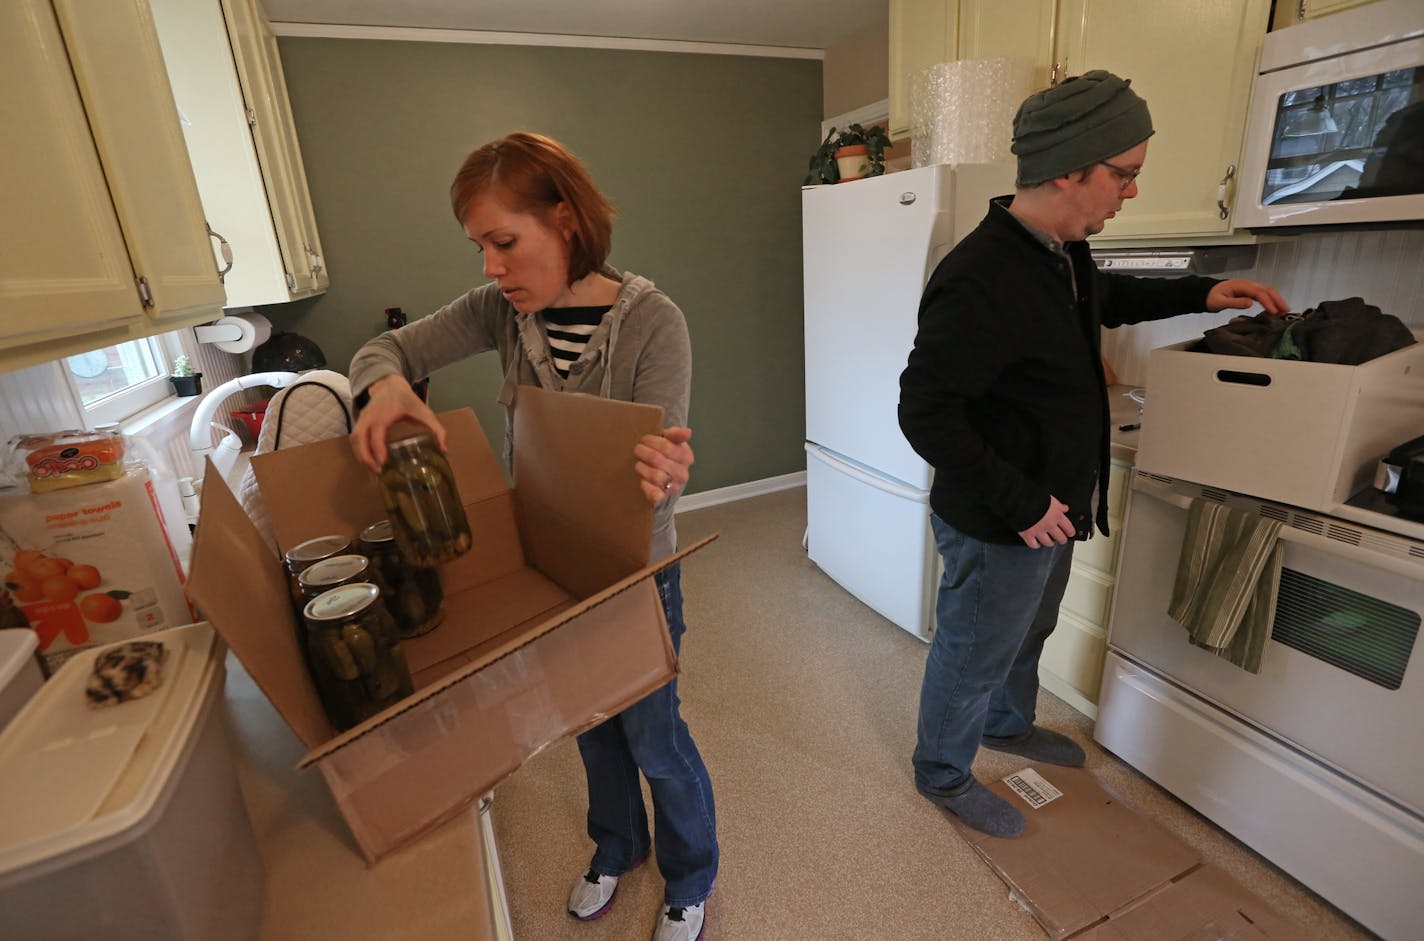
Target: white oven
<point x="1317" y="762"/>
<point x="1336" y="126"/>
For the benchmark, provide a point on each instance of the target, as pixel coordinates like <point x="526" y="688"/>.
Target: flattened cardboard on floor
<point x="1084" y="856"/>
<point x="533" y="648"/>
<point x="1204" y="905"/>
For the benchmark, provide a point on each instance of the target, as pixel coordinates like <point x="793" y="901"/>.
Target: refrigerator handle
<point x="884" y="484"/>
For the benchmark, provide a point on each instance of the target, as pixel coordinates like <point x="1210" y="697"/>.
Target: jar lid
<point x="338" y="568"/>
<point x="378" y="532"/>
<point x="341" y="603"/>
<point x="420" y="439"/>
<point x="319" y="548"/>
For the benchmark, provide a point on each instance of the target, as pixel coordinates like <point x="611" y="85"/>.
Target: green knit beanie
<point x="1086" y="118"/>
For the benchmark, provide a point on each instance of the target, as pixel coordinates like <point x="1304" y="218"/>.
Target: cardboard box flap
<point x="319" y="489"/>
<point x="1083" y="856"/>
<point x="500" y="651"/>
<point x="583" y="516"/>
<point x="1204" y="905"/>
<point x="242" y="590"/>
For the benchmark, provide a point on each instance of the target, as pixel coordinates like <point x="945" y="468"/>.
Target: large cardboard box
<point x="1090" y="868"/>
<point x="552" y="621"/>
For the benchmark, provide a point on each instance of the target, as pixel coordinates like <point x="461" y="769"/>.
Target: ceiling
<point x="805" y="24"/>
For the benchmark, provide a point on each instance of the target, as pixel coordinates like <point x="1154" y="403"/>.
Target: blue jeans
<point x="650" y="736"/>
<point x="997" y="604"/>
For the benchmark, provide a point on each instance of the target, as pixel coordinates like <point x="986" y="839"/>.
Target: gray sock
<point x="1040" y="744"/>
<point x="977" y="806"/>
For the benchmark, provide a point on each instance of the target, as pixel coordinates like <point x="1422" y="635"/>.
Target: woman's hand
<point x="663" y="463"/>
<point x="1240" y="293"/>
<point x="392" y="399"/>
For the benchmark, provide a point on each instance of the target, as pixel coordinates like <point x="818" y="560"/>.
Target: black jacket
<point x="1004" y="392"/>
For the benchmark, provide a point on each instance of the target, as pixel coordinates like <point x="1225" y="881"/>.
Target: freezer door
<point x="868" y="248"/>
<point x="872" y="535"/>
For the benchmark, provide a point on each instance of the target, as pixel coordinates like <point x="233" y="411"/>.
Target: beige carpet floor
<point x="803" y="702"/>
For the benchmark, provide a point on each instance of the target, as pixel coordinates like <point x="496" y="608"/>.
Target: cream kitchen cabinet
<point x="103" y="235"/>
<point x="227" y="78"/>
<point x="1071" y="667"/>
<point x="1291" y="12"/>
<point x="1193" y="60"/>
<point x="922" y="33"/>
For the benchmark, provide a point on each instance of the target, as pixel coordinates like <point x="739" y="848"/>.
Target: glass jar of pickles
<point x="426" y="515"/>
<point x="413" y="595"/>
<point x="356" y="652"/>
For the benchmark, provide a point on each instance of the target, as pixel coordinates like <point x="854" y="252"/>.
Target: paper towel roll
<point x="255" y="328"/>
<point x="963" y="111"/>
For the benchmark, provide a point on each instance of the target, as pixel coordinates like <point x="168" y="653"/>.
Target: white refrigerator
<point x="868" y="248"/>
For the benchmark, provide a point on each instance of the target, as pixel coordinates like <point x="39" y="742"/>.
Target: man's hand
<point x="1241" y="294"/>
<point x="1055" y="527"/>
<point x="663" y="463"/>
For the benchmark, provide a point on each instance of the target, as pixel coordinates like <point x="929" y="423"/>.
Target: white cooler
<point x="20" y="674"/>
<point x="127" y="822"/>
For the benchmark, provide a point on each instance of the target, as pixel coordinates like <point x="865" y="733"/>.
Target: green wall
<point x="703" y="155"/>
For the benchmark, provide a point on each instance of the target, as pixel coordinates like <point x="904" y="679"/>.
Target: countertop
<point x="1122" y="410"/>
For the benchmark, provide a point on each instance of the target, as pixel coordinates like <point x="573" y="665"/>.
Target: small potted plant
<point x="849" y="155"/>
<point x="185" y="381"/>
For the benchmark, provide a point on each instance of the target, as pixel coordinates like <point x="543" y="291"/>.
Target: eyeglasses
<point x="1125" y="178"/>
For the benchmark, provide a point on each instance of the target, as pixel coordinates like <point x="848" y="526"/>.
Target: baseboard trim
<point x="752" y="488"/>
<point x="1065" y="691"/>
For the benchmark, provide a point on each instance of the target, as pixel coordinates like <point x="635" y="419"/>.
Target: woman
<point x="559" y="317"/>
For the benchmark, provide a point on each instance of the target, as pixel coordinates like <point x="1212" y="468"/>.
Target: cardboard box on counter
<point x="1090" y="868"/>
<point x="552" y="621"/>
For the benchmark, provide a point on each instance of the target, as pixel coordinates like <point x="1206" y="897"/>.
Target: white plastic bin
<point x="127" y="822"/>
<point x="20" y="674"/>
<point x="1306" y="434"/>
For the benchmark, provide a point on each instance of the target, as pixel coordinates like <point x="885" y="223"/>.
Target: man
<point x="1004" y="396"/>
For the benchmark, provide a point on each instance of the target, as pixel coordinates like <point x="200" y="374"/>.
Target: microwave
<point x="1335" y="133"/>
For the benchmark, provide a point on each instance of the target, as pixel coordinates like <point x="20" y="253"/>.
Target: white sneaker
<point x="680" y="924"/>
<point x="592" y="896"/>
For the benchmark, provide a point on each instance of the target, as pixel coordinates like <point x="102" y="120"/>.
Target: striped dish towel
<point x="1227" y="576"/>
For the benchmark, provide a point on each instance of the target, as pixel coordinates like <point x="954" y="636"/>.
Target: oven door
<point x="1337" y="679"/>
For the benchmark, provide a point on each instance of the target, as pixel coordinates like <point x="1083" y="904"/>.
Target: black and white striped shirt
<point x="569" y="329"/>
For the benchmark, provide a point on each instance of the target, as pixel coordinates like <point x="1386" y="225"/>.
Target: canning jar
<point x="356" y="652"/>
<point x="413" y="595"/>
<point x="424" y="507"/>
<point x="333" y="573"/>
<point x="305" y="554"/>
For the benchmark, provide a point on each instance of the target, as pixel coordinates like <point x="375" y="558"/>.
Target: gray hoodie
<point x="640" y="352"/>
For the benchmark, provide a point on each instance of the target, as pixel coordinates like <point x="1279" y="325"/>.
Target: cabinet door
<point x="1291" y="12"/>
<point x="248" y="32"/>
<point x="116" y="58"/>
<point x="922" y="33"/>
<point x="64" y="268"/>
<point x="1017" y="28"/>
<point x="312" y="263"/>
<point x="1194" y="63"/>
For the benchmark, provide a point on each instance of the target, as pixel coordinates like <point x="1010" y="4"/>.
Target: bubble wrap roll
<point x="963" y="111"/>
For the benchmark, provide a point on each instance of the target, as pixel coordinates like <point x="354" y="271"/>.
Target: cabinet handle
<point x="224" y="248"/>
<point x="1222" y="188"/>
<point x="1300" y="11"/>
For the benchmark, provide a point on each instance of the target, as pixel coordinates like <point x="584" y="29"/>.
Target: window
<point x="114" y="382"/>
